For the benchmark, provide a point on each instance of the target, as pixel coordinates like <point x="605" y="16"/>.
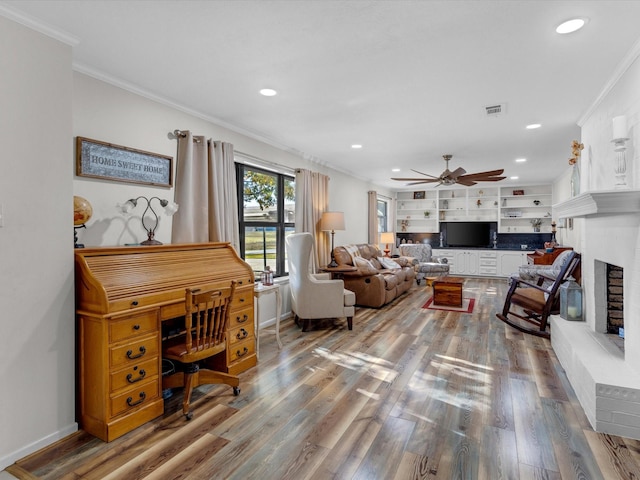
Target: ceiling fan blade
<point x="417" y="180"/>
<point x="466" y="182"/>
<point x="490" y="173"/>
<point x="457" y="172"/>
<point x="426" y="180"/>
<point x="425" y="174"/>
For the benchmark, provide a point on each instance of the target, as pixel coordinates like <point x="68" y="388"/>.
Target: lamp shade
<point x="332" y="221"/>
<point x="387" y="237"/>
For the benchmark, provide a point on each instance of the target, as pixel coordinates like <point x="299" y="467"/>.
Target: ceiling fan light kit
<point x="456" y="177"/>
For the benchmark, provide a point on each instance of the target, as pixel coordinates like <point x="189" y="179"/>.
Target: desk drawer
<point x="134" y="374"/>
<point x="134" y="325"/>
<point x="242" y="297"/>
<point x="135" y="397"/>
<point x="239" y="318"/>
<point x="134" y="352"/>
<point x="239" y="351"/>
<point x="239" y="334"/>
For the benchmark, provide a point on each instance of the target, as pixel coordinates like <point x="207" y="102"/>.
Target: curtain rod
<point x="182" y="134"/>
<point x="260" y="161"/>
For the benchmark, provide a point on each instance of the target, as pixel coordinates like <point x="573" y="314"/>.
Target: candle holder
<point x="619" y="141"/>
<point x="169" y="210"/>
<point x="620" y="167"/>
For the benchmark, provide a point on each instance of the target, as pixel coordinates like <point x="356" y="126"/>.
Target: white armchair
<point x="425" y="264"/>
<point x="311" y="297"/>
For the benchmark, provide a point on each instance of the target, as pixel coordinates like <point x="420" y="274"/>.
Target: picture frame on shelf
<point x="419" y="195"/>
<point x="518" y="192"/>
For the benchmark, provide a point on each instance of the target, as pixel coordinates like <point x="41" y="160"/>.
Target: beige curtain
<point x="373" y="217"/>
<point x="206" y="192"/>
<point x="312" y="199"/>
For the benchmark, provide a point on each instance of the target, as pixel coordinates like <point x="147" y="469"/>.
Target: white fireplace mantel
<point x="603" y="202"/>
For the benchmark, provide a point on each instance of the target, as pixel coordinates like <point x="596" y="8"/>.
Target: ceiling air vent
<point x="495" y="110"/>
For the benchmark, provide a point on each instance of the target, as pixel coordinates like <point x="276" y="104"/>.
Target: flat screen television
<point x="469" y="234"/>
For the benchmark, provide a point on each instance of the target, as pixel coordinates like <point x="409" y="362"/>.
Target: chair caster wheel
<point x="236" y="391"/>
<point x="188" y="416"/>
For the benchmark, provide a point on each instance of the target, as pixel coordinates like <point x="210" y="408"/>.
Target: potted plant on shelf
<point x="427" y="213"/>
<point x="536" y="223"/>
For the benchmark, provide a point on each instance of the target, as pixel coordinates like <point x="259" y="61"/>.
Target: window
<point x="383" y="209"/>
<point x="266" y="205"/>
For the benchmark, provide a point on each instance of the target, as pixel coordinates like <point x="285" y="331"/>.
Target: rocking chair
<point x="532" y="303"/>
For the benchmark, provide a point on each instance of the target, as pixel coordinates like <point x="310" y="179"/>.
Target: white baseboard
<point x="13" y="457"/>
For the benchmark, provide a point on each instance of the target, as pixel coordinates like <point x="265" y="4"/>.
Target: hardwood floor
<point x="410" y="393"/>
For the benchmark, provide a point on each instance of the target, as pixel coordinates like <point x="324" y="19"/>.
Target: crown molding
<point x="137" y="90"/>
<point x="38" y="25"/>
<point x="620" y="70"/>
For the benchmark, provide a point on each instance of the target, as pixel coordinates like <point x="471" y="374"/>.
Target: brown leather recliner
<point x="374" y="284"/>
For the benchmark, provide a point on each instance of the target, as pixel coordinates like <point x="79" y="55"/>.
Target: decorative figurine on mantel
<point x="576" y="149"/>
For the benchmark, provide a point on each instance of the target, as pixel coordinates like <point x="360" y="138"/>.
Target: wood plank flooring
<point x="410" y="393"/>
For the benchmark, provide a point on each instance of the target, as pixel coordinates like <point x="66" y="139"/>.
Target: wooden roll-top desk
<point x="123" y="294"/>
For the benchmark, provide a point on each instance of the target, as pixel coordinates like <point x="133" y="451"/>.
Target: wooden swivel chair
<point x="207" y="315"/>
<point x="528" y="305"/>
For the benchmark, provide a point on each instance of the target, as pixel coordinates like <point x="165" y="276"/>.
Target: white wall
<point x="111" y="114"/>
<point x="37" y="346"/>
<point x="45" y="105"/>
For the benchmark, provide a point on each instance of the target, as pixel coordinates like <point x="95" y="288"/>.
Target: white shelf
<point x="461" y="205"/>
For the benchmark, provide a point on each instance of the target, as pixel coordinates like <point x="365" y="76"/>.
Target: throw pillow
<point x="388" y="263"/>
<point x="364" y="265"/>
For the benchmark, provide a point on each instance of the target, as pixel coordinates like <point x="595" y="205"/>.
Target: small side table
<point x="339" y="271"/>
<point x="258" y="291"/>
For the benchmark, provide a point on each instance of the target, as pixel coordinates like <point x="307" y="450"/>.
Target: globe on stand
<point x="82" y="212"/>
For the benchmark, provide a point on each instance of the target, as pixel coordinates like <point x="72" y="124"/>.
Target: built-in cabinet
<point x="514" y="208"/>
<point x="489" y="263"/>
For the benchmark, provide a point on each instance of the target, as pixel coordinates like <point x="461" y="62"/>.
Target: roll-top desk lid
<point x="116" y="279"/>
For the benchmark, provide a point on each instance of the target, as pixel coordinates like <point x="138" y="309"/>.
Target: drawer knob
<point x="242" y="334"/>
<point x="130" y="378"/>
<point x="242" y="319"/>
<point x="245" y="350"/>
<point x="136" y="327"/>
<point x="131" y="356"/>
<point x="134" y="303"/>
<point x="131" y="403"/>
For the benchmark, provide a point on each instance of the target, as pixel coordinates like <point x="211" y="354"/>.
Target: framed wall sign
<point x="103" y="160"/>
<point x="419" y="195"/>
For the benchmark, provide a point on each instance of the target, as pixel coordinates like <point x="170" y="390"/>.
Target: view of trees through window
<point x="267" y="215"/>
<point x="382" y="216"/>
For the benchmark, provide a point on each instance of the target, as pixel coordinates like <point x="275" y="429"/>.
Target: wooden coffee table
<point x="447" y="291"/>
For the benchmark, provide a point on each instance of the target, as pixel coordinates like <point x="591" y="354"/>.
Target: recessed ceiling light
<point x="395" y="169"/>
<point x="520" y="160"/>
<point x="570" y="26"/>
<point x="268" y="92"/>
<point x="513" y="178"/>
<point x="533" y="126"/>
<point x="356" y="146"/>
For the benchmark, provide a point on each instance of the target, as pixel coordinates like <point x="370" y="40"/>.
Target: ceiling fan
<point x="457" y="176"/>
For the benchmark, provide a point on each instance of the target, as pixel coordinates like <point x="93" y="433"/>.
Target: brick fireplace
<point x="605" y="377"/>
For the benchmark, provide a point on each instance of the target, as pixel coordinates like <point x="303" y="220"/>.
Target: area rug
<point x="467" y="306"/>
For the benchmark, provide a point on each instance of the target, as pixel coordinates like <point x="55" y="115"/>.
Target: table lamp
<point x="169" y="209"/>
<point x="332" y="221"/>
<point x="387" y="237"/>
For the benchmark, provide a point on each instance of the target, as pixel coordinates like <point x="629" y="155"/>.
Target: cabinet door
<point x="509" y="262"/>
<point x="472" y="263"/>
<point x="460" y="262"/>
